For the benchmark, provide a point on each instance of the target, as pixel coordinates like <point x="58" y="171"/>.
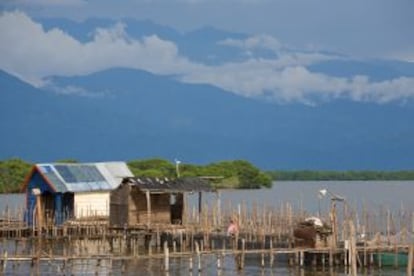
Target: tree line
<point x="304" y="175"/>
<point x="224" y="174"/>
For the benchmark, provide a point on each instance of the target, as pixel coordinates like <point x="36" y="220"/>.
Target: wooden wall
<point x="160" y="208"/>
<point x="129" y="207"/>
<point x="119" y="206"/>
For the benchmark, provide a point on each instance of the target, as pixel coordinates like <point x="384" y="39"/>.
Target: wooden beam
<point x="39" y="213"/>
<point x="184" y="210"/>
<point x="200" y="205"/>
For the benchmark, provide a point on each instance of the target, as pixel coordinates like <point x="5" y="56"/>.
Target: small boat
<point x="391" y="259"/>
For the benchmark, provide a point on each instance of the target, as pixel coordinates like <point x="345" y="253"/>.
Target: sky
<point x="377" y="29"/>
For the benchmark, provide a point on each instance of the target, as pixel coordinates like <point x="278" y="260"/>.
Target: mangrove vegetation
<point x="304" y="175"/>
<point x="223" y="174"/>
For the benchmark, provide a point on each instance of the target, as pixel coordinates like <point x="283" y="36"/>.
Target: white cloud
<point x="30" y="52"/>
<point x="255" y="42"/>
<point x="298" y="84"/>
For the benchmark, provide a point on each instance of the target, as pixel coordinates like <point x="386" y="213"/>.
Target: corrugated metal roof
<point x="185" y="184"/>
<point x="84" y="177"/>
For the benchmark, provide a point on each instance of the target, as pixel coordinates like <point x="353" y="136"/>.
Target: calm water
<point x="396" y="196"/>
<point x="303" y="195"/>
<point x="179" y="266"/>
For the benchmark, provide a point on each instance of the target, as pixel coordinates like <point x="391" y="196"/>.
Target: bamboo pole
<point x="243" y="254"/>
<point x="410" y="260"/>
<point x="353" y="248"/>
<point x="166" y="257"/>
<point x="190" y="263"/>
<point x="198" y="256"/>
<point x="5" y="261"/>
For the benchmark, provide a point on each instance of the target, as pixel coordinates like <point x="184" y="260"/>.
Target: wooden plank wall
<point x="160" y="208"/>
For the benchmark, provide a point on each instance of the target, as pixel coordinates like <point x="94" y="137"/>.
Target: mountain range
<point x="125" y="113"/>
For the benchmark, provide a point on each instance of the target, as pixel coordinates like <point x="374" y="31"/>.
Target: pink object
<point x="232" y="229"/>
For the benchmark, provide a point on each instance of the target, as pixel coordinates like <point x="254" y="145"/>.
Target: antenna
<point x="177" y="167"/>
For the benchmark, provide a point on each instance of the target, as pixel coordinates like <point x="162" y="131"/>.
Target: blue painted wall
<point x="63" y="204"/>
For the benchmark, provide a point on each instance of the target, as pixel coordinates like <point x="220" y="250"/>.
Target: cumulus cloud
<point x="32" y="53"/>
<point x="298" y="84"/>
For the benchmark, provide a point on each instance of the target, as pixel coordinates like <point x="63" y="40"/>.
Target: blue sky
<point x="376" y="29"/>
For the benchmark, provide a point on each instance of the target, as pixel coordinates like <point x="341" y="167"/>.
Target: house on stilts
<point x="144" y="201"/>
<point x="57" y="192"/>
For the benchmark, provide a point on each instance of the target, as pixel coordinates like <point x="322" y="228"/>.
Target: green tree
<point x="12" y="175"/>
<point x="165" y="168"/>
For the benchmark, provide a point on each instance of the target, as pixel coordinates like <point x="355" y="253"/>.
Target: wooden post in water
<point x="323" y="261"/>
<point x="271" y="251"/>
<point x="301" y="258"/>
<point x="190" y="263"/>
<point x="396" y="254"/>
<point x="331" y="260"/>
<point x="410" y="260"/>
<point x="198" y="256"/>
<point x="353" y="250"/>
<point x="243" y="253"/>
<point x="166" y="257"/>
<point x="5" y="261"/>
<point x="200" y="205"/>
<point x="262" y="262"/>
<point x="379" y="258"/>
<point x="365" y="249"/>
<point x="218" y="262"/>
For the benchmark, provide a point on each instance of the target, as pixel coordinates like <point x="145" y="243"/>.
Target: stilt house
<point x="144" y="201"/>
<point x="61" y="191"/>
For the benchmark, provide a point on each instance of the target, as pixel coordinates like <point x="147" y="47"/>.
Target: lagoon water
<point x="395" y="196"/>
<point x="303" y="195"/>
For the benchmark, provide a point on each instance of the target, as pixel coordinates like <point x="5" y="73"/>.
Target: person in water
<point x="233" y="228"/>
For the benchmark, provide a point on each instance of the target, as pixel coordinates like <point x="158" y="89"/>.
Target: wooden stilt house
<point x="56" y="192"/>
<point x="145" y="201"/>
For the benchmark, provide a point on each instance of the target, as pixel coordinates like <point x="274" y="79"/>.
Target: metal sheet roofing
<point x="185" y="184"/>
<point x="84" y="177"/>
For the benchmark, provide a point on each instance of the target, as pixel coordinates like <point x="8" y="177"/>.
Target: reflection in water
<point x="255" y="264"/>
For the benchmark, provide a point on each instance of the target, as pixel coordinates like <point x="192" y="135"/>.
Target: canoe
<point x="391" y="258"/>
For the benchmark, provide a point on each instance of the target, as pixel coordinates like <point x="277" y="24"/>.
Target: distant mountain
<point x="123" y="114"/>
<point x="205" y="45"/>
<point x="198" y="45"/>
